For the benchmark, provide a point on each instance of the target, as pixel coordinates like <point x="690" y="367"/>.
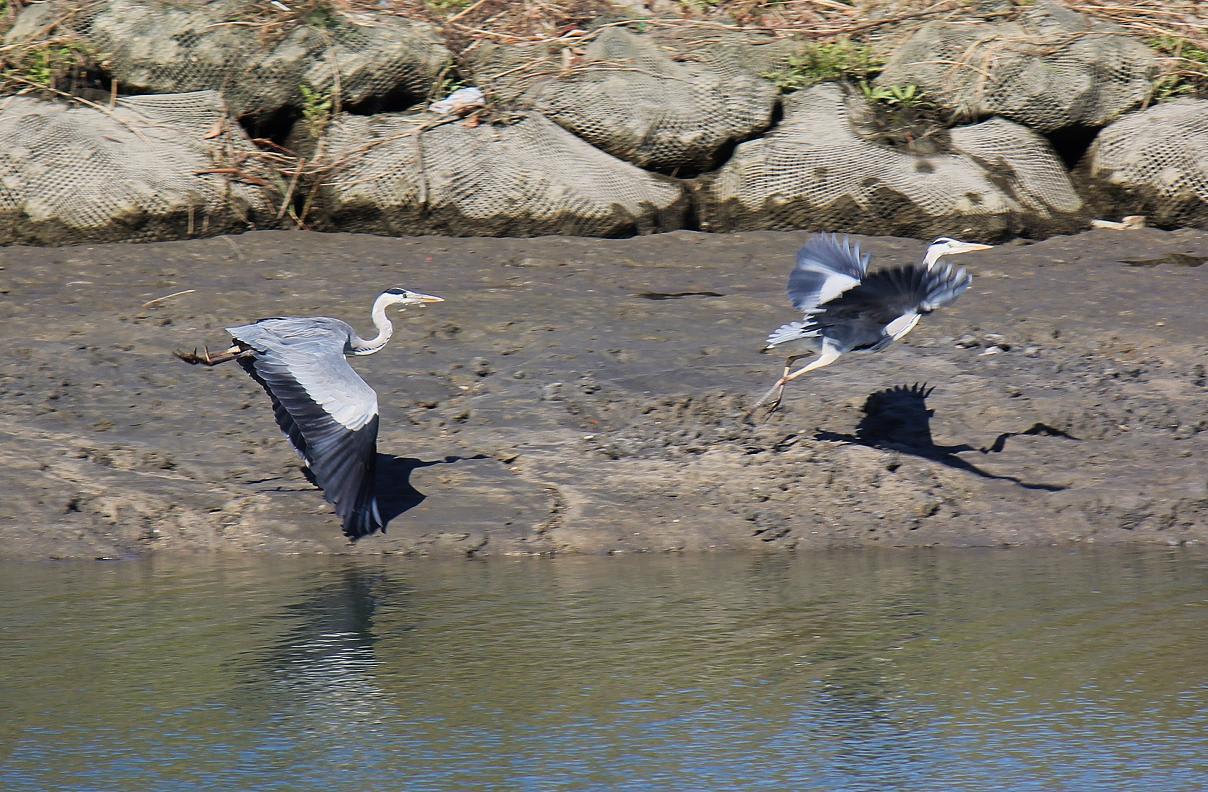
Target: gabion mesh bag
<point x="1052" y="69"/>
<point x="410" y="174"/>
<point x="1153" y="162"/>
<point x="154" y="167"/>
<point x="259" y="63"/>
<point x="666" y="102"/>
<point x="818" y="170"/>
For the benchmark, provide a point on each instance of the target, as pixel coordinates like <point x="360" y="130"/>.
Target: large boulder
<point x="1052" y="68"/>
<point x="415" y="173"/>
<point x="260" y="58"/>
<point x="1153" y="162"/>
<point x="822" y="169"/>
<point x="153" y="167"/>
<point x="667" y="102"/>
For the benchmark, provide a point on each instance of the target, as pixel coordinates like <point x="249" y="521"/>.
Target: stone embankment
<point x="1013" y="120"/>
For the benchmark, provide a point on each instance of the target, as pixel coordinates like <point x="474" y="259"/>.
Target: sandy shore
<point x="580" y="395"/>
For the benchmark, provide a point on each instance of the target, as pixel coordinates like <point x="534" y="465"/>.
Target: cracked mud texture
<point x="582" y="395"/>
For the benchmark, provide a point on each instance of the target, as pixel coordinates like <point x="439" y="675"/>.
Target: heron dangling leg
<point x="207" y="359"/>
<point x="778" y="388"/>
<point x="829" y="355"/>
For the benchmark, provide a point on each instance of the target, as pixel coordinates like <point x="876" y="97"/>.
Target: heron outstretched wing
<point x="326" y="410"/>
<point x="886" y="304"/>
<point x="826" y="267"/>
<point x="942" y="285"/>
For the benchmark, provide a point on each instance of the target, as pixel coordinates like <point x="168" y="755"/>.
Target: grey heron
<point x="847" y="309"/>
<point x="327" y="412"/>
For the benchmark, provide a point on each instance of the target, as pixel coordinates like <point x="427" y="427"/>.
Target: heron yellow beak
<point x="969" y="247"/>
<point x="428" y="298"/>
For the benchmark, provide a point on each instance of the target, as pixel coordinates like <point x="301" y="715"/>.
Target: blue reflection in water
<point x="1022" y="670"/>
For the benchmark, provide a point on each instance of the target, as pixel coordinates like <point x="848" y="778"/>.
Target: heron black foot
<point x="205" y="358"/>
<point x="775" y="394"/>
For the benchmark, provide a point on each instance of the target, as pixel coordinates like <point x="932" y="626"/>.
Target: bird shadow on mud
<point x="395" y="493"/>
<point x="898" y="419"/>
<point x="392" y="481"/>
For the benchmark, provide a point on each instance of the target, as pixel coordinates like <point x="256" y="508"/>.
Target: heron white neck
<point x="933" y="255"/>
<point x="385" y="329"/>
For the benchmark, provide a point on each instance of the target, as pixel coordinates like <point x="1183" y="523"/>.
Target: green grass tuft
<point x="1185" y="72"/>
<point x="830" y="61"/>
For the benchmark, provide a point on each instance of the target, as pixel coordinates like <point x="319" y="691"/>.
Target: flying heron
<point x="326" y="411"/>
<point x="849" y="310"/>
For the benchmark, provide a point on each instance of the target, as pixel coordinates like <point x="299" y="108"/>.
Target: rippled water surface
<point x="908" y="670"/>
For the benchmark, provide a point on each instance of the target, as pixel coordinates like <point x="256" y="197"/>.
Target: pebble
<point x="552" y="392"/>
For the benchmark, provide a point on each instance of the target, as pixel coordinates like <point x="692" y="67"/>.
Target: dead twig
<point x="40" y="87"/>
<point x="158" y="300"/>
<point x="235" y="174"/>
<point x="289" y="192"/>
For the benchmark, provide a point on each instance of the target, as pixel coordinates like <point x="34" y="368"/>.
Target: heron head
<point x="947" y="246"/>
<point x="405" y="297"/>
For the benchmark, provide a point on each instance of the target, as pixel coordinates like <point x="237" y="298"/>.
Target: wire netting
<point x="408" y="174"/>
<point x="152" y="167"/>
<point x="1049" y="69"/>
<point x="258" y="59"/>
<point x="664" y="100"/>
<point x="820" y="169"/>
<point x="1153" y="162"/>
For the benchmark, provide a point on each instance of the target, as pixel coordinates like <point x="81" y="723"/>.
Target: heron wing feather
<point x="943" y="285"/>
<point x="886" y="304"/>
<point x="827" y="266"/>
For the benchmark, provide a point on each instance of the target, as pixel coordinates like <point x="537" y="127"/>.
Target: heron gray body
<point x="847" y="309"/>
<point x="326" y="411"/>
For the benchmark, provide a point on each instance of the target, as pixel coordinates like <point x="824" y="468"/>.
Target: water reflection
<point x="332" y="626"/>
<point x="321" y="673"/>
<point x="869" y="670"/>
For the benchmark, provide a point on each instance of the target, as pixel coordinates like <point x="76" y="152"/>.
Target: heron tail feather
<point x="790" y="332"/>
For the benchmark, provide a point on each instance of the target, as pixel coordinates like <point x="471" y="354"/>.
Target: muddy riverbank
<point x="577" y="395"/>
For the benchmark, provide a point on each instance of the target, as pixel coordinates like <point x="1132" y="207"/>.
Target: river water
<point x="942" y="670"/>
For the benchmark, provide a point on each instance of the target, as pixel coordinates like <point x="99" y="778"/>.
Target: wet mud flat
<point x="584" y="395"/>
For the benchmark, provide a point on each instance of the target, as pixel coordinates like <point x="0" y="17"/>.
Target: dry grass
<point x="1176" y="29"/>
<point x="466" y="22"/>
<point x="1186" y="20"/>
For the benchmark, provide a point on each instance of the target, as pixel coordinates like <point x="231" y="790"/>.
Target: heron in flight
<point x="847" y="309"/>
<point x="326" y="411"/>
